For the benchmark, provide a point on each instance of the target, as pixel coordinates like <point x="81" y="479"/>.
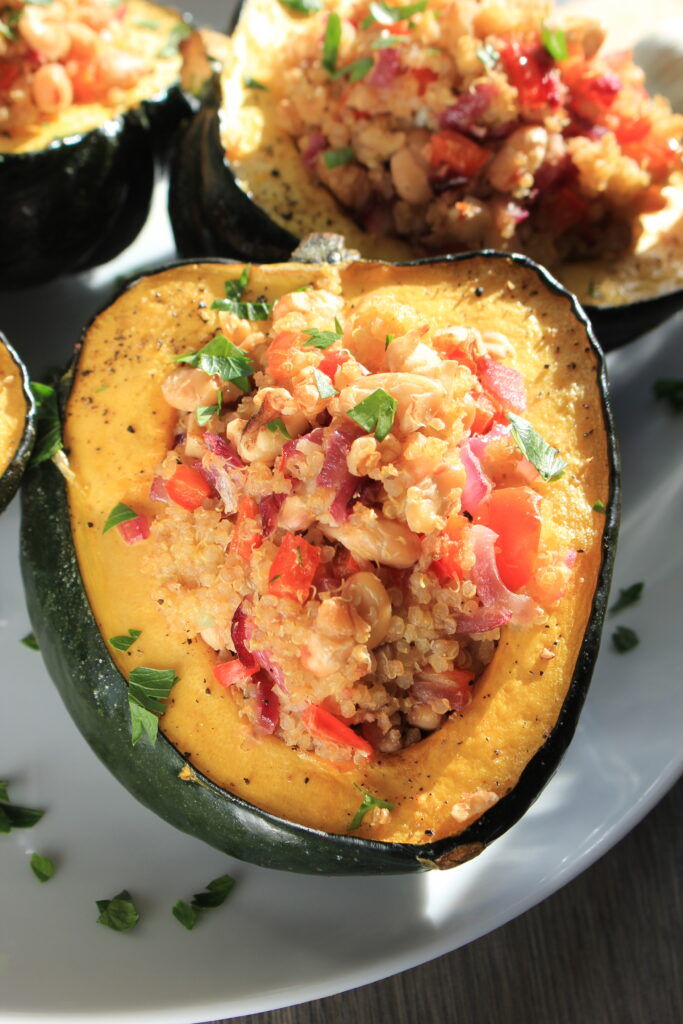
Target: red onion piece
<point x="157" y="491"/>
<point x="484" y="620"/>
<point x="386" y="69"/>
<point x="269" y="508"/>
<point x="335" y="472"/>
<point x="221" y="446"/>
<point x="491" y="590"/>
<point x="267" y="704"/>
<point x="264" y="659"/>
<point x="477" y="484"/>
<point x="134" y="530"/>
<point x="428" y="689"/>
<point x="463" y="116"/>
<point x="316" y="143"/>
<point x="240" y="633"/>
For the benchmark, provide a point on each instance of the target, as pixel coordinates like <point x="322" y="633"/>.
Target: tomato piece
<point x="230" y="672"/>
<point x="534" y="76"/>
<point x="457" y="152"/>
<point x="513" y="513"/>
<point x="279" y="355"/>
<point x="424" y="77"/>
<point x="448" y="566"/>
<point x="134" y="530"/>
<point x="332" y="360"/>
<point x="650" y="149"/>
<point x="246" y="536"/>
<point x="503" y="383"/>
<point x="188" y="488"/>
<point x="293" y="568"/>
<point x="326" y="726"/>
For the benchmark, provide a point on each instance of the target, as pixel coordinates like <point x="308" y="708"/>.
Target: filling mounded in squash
<point x="299" y="522"/>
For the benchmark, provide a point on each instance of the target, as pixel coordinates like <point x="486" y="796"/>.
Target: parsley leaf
<point x="670" y="390"/>
<point x="13" y="816"/>
<point x="123" y="642"/>
<point x="119" y="514"/>
<point x="244" y="310"/>
<point x="42" y="867"/>
<point x="387" y="341"/>
<point x="331" y="42"/>
<point x="555" y="42"/>
<point x="253" y="83"/>
<point x="186" y="914"/>
<point x="624" y="639"/>
<point x="235" y="289"/>
<point x="303" y="6"/>
<point x="627" y="596"/>
<point x="338" y="157"/>
<point x="119" y="913"/>
<point x="213" y="896"/>
<point x="488" y="55"/>
<point x="177" y="34"/>
<point x="48" y="425"/>
<point x="388" y="42"/>
<point x="356" y="70"/>
<point x="219" y="357"/>
<point x="278" y="424"/>
<point x="599" y="506"/>
<point x="384" y="14"/>
<point x="375" y="413"/>
<point x="30" y="641"/>
<point x="367" y="803"/>
<point x="540" y="454"/>
<point x="148" y="688"/>
<point x="323" y="339"/>
<point x="326" y="388"/>
<point x="203" y="413"/>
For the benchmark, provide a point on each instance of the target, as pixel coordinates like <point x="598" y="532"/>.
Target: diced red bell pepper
<point x="293" y="568"/>
<point x="503" y="383"/>
<point x="514" y="514"/>
<point x="134" y="530"/>
<point x="246" y="536"/>
<point x="326" y="726"/>
<point x="449" y="564"/>
<point x="424" y="77"/>
<point x="332" y="360"/>
<point x="188" y="488"/>
<point x="230" y="672"/>
<point x="457" y="152"/>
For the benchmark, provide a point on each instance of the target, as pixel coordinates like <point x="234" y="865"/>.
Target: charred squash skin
<point x="17" y="421"/>
<point x="77" y="191"/>
<point x="258" y="209"/>
<point x="260" y="800"/>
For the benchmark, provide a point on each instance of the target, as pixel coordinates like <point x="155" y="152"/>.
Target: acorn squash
<point x="77" y="187"/>
<point x="259" y="799"/>
<point x="17" y="421"/>
<point x="240" y="188"/>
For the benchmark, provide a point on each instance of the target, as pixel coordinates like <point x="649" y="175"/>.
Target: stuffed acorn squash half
<point x="89" y="94"/>
<point x="441" y="127"/>
<point x="17" y="421"/>
<point x="324" y="580"/>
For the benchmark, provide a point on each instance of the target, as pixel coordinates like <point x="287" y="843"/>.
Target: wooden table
<point x="606" y="949"/>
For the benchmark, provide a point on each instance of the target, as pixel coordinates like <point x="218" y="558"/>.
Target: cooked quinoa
<point x="464" y="124"/>
<point x="346" y="517"/>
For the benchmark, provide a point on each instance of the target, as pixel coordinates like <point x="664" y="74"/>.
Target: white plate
<point x="284" y="939"/>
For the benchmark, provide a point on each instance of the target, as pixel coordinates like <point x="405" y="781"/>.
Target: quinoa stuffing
<point x="465" y="124"/>
<point x="348" y="514"/>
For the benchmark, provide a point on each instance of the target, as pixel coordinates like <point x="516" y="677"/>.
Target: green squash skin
<point x="82" y="200"/>
<point x="94" y="692"/>
<point x="11" y="478"/>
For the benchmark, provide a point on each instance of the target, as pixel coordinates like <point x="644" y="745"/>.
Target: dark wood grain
<point x="606" y="949"/>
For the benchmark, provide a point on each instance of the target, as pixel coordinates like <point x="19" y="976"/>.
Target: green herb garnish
<point x="331" y="42"/>
<point x="670" y="390"/>
<point x="624" y="639"/>
<point x="303" y="6"/>
<point x="367" y="803"/>
<point x="119" y="913"/>
<point x="387" y="341"/>
<point x="279" y="425"/>
<point x="243" y="310"/>
<point x="375" y="413"/>
<point x="338" y="157"/>
<point x="253" y="83"/>
<point x="384" y="14"/>
<point x="213" y="896"/>
<point x="389" y="42"/>
<point x="119" y="514"/>
<point x="186" y="914"/>
<point x="124" y="641"/>
<point x="148" y="688"/>
<point x="356" y="70"/>
<point x="147" y="23"/>
<point x="323" y="339"/>
<point x="326" y="388"/>
<point x="546" y="459"/>
<point x="599" y="507"/>
<point x="555" y="42"/>
<point x="236" y="288"/>
<point x="14" y="816"/>
<point x="627" y="596"/>
<point x="203" y="413"/>
<point x="48" y="426"/>
<point x="222" y="359"/>
<point x="488" y="55"/>
<point x="177" y="34"/>
<point x="4" y="794"/>
<point x="42" y="867"/>
<point x="30" y="641"/>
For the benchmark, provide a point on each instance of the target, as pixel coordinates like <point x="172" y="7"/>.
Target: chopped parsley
<point x="546" y="459"/>
<point x="177" y="34"/>
<point x="203" y="413"/>
<point x="119" y="514"/>
<point x="384" y="14"/>
<point x="303" y="6"/>
<point x="331" y="43"/>
<point x="555" y="42"/>
<point x="213" y="896"/>
<point x="30" y="641"/>
<point x="388" y="42"/>
<point x="147" y="23"/>
<point x="670" y="390"/>
<point x="232" y="303"/>
<point x="627" y="597"/>
<point x="387" y="341"/>
<point x="323" y="339"/>
<point x="124" y="641"/>
<point x="42" y="867"/>
<point x="120" y="913"/>
<point x="624" y="639"/>
<point x="338" y="157"/>
<point x="279" y="425"/>
<point x="599" y="506"/>
<point x="356" y="70"/>
<point x="14" y="816"/>
<point x="488" y="56"/>
<point x="326" y="388"/>
<point x="367" y="803"/>
<point x="253" y="83"/>
<point x="148" y="688"/>
<point x="221" y="358"/>
<point x="48" y="426"/>
<point x="375" y="414"/>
